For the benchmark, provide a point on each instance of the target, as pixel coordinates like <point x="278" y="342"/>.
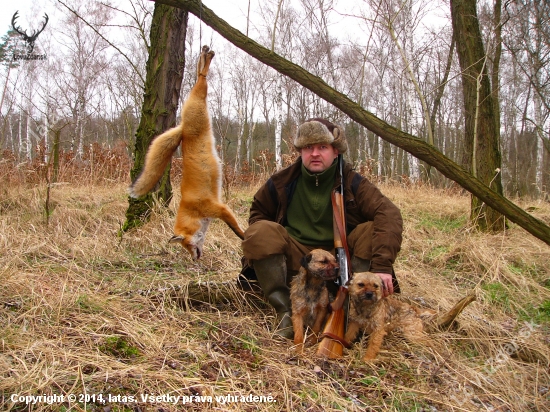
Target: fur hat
<point x="318" y="131"/>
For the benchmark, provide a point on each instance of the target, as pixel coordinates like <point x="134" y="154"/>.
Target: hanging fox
<point x="201" y="180"/>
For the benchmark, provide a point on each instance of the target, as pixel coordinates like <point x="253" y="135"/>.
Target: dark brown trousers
<point x="265" y="238"/>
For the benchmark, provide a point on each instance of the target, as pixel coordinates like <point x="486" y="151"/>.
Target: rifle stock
<point x="332" y="344"/>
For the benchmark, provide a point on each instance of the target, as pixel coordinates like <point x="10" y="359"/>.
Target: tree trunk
<point x="412" y="144"/>
<point x="278" y="122"/>
<point x="482" y="138"/>
<point x="28" y="135"/>
<point x="160" y="103"/>
<point x="242" y="121"/>
<point x="20" y="131"/>
<point x="55" y="155"/>
<point x="437" y="102"/>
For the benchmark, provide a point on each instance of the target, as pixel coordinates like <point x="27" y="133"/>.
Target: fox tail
<point x="159" y="154"/>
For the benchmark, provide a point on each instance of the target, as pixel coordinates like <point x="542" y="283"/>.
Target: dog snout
<point x="369" y="295"/>
<point x="331" y="272"/>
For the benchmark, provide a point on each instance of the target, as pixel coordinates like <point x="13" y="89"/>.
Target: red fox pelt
<point x="201" y="179"/>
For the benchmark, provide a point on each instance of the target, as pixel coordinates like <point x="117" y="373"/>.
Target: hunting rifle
<point x="332" y="343"/>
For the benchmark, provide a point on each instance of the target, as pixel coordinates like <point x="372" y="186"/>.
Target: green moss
<point x="118" y="347"/>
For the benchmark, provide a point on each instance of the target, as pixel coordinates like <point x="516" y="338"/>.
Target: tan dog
<point x="202" y="178"/>
<point x="378" y="316"/>
<point x="309" y="294"/>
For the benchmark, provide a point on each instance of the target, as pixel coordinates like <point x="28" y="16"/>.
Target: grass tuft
<point x="85" y="311"/>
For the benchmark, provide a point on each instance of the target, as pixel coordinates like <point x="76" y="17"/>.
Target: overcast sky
<point x="233" y="11"/>
<point x="31" y="12"/>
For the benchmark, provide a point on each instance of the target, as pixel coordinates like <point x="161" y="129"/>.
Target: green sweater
<point x="309" y="217"/>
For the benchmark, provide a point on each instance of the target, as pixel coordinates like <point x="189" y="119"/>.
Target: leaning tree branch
<point x="405" y="141"/>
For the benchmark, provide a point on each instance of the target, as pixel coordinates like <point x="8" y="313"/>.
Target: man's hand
<point x="387" y="283"/>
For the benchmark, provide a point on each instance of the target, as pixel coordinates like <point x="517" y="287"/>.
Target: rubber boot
<point x="271" y="274"/>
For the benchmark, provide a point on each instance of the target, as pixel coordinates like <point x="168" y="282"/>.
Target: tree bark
<point x="407" y="142"/>
<point x="55" y="154"/>
<point x="437" y="100"/>
<point x="160" y="103"/>
<point x="482" y="136"/>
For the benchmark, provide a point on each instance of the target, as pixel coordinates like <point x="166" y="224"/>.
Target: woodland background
<point x="398" y="61"/>
<point x="88" y="308"/>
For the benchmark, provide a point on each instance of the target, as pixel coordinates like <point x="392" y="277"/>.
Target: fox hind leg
<point x="204" y="61"/>
<point x="227" y="215"/>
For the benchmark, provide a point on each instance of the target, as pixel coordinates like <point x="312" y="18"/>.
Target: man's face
<point x="318" y="157"/>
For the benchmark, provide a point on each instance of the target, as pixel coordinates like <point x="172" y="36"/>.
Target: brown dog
<point x="378" y="316"/>
<point x="309" y="294"/>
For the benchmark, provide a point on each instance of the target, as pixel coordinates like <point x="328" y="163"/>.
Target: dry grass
<point x="83" y="310"/>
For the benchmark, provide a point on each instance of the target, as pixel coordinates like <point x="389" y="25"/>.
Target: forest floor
<point x="106" y="322"/>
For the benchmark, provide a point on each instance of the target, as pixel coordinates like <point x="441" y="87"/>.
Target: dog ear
<point x="305" y="260"/>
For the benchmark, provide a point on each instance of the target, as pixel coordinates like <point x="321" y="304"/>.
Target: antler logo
<point x="28" y="39"/>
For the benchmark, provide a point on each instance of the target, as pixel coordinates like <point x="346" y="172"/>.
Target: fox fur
<point x="201" y="180"/>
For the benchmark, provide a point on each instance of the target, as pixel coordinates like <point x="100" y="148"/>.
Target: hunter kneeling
<point x="292" y="214"/>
